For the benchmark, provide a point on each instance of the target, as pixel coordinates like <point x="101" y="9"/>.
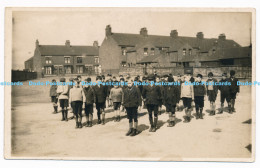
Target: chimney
<point x="37" y="43"/>
<point x="95" y="43"/>
<point x="67" y="43"/>
<point x="200" y="35"/>
<point x="108" y="30"/>
<point x="222" y="36"/>
<point x="174" y="34"/>
<point x="143" y="32"/>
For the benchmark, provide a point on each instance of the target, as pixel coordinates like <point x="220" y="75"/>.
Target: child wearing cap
<point x="90" y="99"/>
<point x="109" y="86"/>
<point x="224" y="89"/>
<point x="152" y="96"/>
<point x="212" y="91"/>
<point x="53" y="95"/>
<point x="116" y="96"/>
<point x="158" y="80"/>
<point x="131" y="101"/>
<point x="179" y="80"/>
<point x="170" y="100"/>
<point x="101" y="94"/>
<point x="187" y="95"/>
<point x="234" y="89"/>
<point x="62" y="91"/>
<point x="199" y="93"/>
<point x="76" y="99"/>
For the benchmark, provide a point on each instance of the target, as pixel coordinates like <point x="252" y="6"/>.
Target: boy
<point x="234" y="89"/>
<point x="109" y="86"/>
<point x="199" y="93"/>
<point x="62" y="91"/>
<point x="76" y="99"/>
<point x="170" y="100"/>
<point x="212" y="91"/>
<point x="53" y="95"/>
<point x="187" y="95"/>
<point x="158" y="81"/>
<point x="224" y="93"/>
<point x="90" y="99"/>
<point x="152" y="95"/>
<point x="131" y="101"/>
<point x="116" y="96"/>
<point x="179" y="80"/>
<point x="101" y="94"/>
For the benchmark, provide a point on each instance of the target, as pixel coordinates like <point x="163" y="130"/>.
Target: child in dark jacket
<point x="101" y="95"/>
<point x="234" y="89"/>
<point x="179" y="80"/>
<point x="116" y="96"/>
<point x="90" y="99"/>
<point x="212" y="92"/>
<point x="131" y="101"/>
<point x="199" y="93"/>
<point x="170" y="100"/>
<point x="53" y="95"/>
<point x="224" y="89"/>
<point x="152" y="97"/>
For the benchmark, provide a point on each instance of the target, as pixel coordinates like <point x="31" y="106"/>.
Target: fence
<point x="241" y="71"/>
<point x="23" y="75"/>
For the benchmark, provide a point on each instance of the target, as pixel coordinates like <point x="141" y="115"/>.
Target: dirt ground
<point x="37" y="133"/>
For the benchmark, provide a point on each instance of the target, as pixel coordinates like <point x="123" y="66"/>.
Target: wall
<point x="23" y="75"/>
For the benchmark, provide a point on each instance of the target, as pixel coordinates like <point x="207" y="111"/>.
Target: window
<point x="184" y="52"/>
<point x="123" y="51"/>
<point x="152" y="51"/>
<point x="145" y="51"/>
<point x="48" y="70"/>
<point x="67" y="69"/>
<point x="48" y="60"/>
<point x="79" y="59"/>
<point x="67" y="60"/>
<point x="96" y="60"/>
<point x="79" y="69"/>
<point x="123" y="64"/>
<point x="190" y="52"/>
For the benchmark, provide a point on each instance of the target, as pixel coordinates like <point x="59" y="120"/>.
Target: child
<point x="90" y="99"/>
<point x="131" y="101"/>
<point x="224" y="93"/>
<point x="109" y="86"/>
<point x="199" y="93"/>
<point x="76" y="99"/>
<point x="170" y="100"/>
<point x="212" y="91"/>
<point x="62" y="91"/>
<point x="158" y="80"/>
<point x="152" y="95"/>
<point x="187" y="95"/>
<point x="101" y="94"/>
<point x="53" y="95"/>
<point x="116" y="96"/>
<point x="179" y="80"/>
<point x="234" y="89"/>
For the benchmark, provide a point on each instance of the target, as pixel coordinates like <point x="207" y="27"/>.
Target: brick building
<point x="64" y="59"/>
<point x="119" y="51"/>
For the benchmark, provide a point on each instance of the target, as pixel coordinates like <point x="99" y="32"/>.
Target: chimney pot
<point x="200" y="35"/>
<point x="222" y="36"/>
<point x="144" y="32"/>
<point x="67" y="43"/>
<point x="174" y="33"/>
<point x="108" y="30"/>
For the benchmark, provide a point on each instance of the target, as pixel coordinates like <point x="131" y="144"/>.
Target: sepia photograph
<point x="130" y="84"/>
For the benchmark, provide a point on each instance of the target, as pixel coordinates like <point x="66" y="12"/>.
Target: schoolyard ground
<point x="37" y="133"/>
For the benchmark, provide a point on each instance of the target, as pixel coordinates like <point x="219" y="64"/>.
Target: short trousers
<point x="64" y="103"/>
<point x="131" y="114"/>
<point x="187" y="102"/>
<point x="88" y="109"/>
<point x="233" y="95"/>
<point x="170" y="108"/>
<point x="116" y="105"/>
<point x="54" y="99"/>
<point x="212" y="95"/>
<point x="199" y="101"/>
<point x="77" y="107"/>
<point x="224" y="96"/>
<point x="101" y="105"/>
<point x="152" y="108"/>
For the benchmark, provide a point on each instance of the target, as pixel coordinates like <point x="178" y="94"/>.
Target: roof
<point x="29" y="59"/>
<point x="62" y="50"/>
<point x="241" y="52"/>
<point x="149" y="59"/>
<point x="205" y="44"/>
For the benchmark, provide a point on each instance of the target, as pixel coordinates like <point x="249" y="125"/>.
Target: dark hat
<point x="232" y="73"/>
<point x="62" y="79"/>
<point x="210" y="74"/>
<point x="109" y="74"/>
<point x="53" y="80"/>
<point x="122" y="79"/>
<point x="78" y="76"/>
<point x="224" y="74"/>
<point x="170" y="79"/>
<point x="103" y="77"/>
<point x="165" y="76"/>
<point x="98" y="78"/>
<point x="144" y="78"/>
<point x="199" y="75"/>
<point x="170" y="74"/>
<point x="179" y="75"/>
<point x="120" y="76"/>
<point x="150" y="77"/>
<point x="70" y="79"/>
<point x="136" y="79"/>
<point x="88" y="79"/>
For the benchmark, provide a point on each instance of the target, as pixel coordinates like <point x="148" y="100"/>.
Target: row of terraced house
<point x="123" y="53"/>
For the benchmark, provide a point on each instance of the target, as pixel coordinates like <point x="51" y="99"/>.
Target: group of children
<point x="124" y="95"/>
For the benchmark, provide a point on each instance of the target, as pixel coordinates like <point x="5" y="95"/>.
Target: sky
<point x="82" y="27"/>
